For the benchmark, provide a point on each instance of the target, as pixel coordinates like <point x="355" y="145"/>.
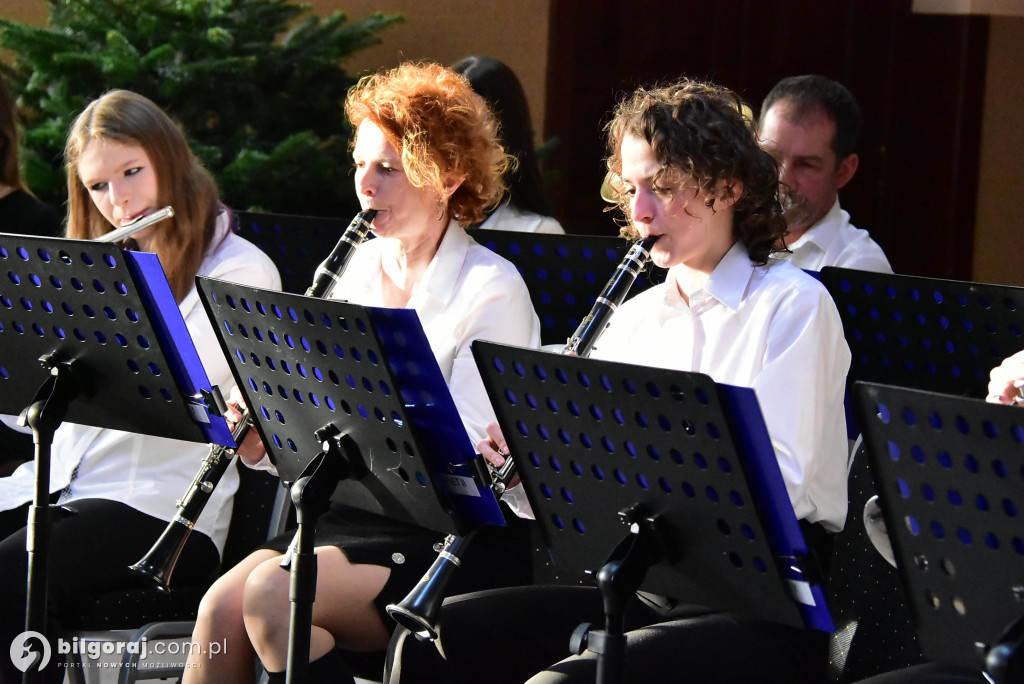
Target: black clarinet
<point x="615" y="290"/>
<point x="417" y="612"/>
<point x="328" y="273"/>
<point x="158" y="563"/>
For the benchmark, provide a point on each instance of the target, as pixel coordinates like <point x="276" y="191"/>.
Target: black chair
<point x="874" y="633"/>
<point x="259" y="507"/>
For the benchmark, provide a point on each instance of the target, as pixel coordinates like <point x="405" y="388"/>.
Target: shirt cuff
<point x="515" y="498"/>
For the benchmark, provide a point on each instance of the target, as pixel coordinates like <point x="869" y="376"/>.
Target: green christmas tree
<point x="256" y="86"/>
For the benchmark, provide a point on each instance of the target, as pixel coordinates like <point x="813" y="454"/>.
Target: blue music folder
<point x="787" y="541"/>
<point x="432" y="413"/>
<point x="182" y="357"/>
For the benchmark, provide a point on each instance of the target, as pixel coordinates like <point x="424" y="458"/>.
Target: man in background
<point x="810" y="124"/>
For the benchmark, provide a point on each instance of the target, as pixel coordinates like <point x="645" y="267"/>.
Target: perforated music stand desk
<point x="116" y="349"/>
<point x="304" y="364"/>
<point x="927" y="333"/>
<point x="949" y="473"/>
<point x="564" y="273"/>
<point x="593" y="438"/>
<point x="296" y="244"/>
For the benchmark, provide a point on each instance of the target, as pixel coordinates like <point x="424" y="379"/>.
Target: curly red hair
<point x="441" y="128"/>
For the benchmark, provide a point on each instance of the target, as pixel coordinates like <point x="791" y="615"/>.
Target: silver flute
<point x="126" y="231"/>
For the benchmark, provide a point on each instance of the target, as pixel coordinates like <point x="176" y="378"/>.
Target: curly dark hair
<point x="704" y="131"/>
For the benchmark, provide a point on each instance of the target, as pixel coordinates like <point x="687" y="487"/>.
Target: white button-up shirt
<point x="145" y="472"/>
<point x="833" y="241"/>
<point x="774" y="329"/>
<point x="467" y="293"/>
<point x="507" y="217"/>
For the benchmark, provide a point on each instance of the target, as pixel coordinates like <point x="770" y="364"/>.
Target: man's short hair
<point x="812" y="92"/>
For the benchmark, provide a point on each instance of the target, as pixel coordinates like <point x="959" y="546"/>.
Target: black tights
<point x="329" y="668"/>
<point x="92" y="543"/>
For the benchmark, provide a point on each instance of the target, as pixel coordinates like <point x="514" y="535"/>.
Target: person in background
<point x="20" y="212"/>
<point x="126" y="159"/>
<point x="525" y="206"/>
<point x="428" y="159"/>
<point x="810" y="124"/>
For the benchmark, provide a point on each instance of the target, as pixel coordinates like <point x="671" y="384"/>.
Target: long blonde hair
<point x="130" y="119"/>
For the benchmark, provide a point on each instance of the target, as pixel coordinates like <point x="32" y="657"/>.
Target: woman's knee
<point x="265" y="595"/>
<point x="221" y="606"/>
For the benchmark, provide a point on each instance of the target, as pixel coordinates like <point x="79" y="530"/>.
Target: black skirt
<point x="497" y="556"/>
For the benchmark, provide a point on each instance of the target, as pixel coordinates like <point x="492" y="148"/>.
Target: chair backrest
<point x="252" y="511"/>
<point x="874" y="633"/>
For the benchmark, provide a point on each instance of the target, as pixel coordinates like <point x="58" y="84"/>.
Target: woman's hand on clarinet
<point x="494" y="449"/>
<point x="251" y="450"/>
<point x="1006" y="381"/>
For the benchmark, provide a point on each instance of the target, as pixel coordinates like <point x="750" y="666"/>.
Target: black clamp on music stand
<point x="651" y="479"/>
<point x="92" y="335"/>
<point x="557" y="269"/>
<point x="948" y="470"/>
<point x="322" y="376"/>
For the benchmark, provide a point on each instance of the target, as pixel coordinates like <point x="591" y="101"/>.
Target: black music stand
<point x="296" y="244"/>
<point x="928" y="333"/>
<point x="949" y="472"/>
<point x="618" y="458"/>
<point x="92" y="335"/>
<point x="327" y="381"/>
<point x="564" y="273"/>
